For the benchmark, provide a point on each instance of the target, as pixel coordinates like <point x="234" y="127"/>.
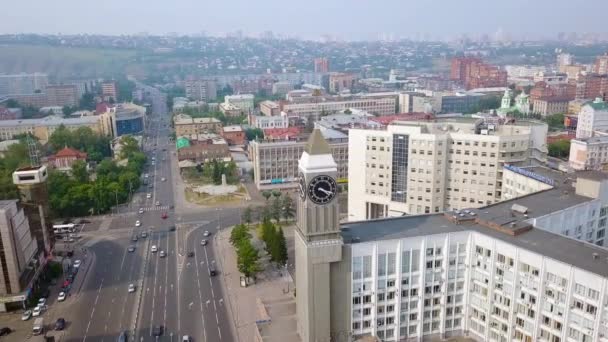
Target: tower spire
<point x="317" y="143"/>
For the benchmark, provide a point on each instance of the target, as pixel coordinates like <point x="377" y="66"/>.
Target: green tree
<point x="288" y="209"/>
<point x="254" y="134"/>
<point x="248" y="258"/>
<point x="129" y="146"/>
<point x="79" y="171"/>
<point x="276" y="193"/>
<point x="239" y="232"/>
<point x="280" y="248"/>
<point x="560" y="149"/>
<point x="555" y="121"/>
<point x="275" y="209"/>
<point x="247" y="214"/>
<point x="266" y="194"/>
<point x="60" y="138"/>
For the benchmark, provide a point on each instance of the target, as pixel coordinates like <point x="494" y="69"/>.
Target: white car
<point x="146" y="175"/>
<point x="148" y="196"/>
<point x="163" y="179"/>
<point x="163" y="254"/>
<point x="41" y="301"/>
<point x="141" y="210"/>
<point x="186" y="338"/>
<point x="137" y="223"/>
<point x="206" y="233"/>
<point x="154" y="249"/>
<point x="131" y="288"/>
<point x="37" y="311"/>
<point x="203" y="242"/>
<point x="77" y="263"/>
<point x="61" y="297"/>
<point x="26" y="315"/>
<point x="157" y="203"/>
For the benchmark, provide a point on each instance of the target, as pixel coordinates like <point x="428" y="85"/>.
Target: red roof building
<point x="388" y="119"/>
<point x="64" y="159"/>
<point x="281" y="133"/>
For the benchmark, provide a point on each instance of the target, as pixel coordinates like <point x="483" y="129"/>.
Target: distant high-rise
<point x="23" y="84"/>
<point x="564" y="59"/>
<point x="201" y="90"/>
<point x="109" y="90"/>
<point x="321" y="65"/>
<point x="62" y="95"/>
<point x="601" y="65"/>
<point x="474" y="73"/>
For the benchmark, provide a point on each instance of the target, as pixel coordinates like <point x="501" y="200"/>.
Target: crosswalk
<point x="156" y="208"/>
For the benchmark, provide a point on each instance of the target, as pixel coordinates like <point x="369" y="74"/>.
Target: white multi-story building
<point x="23" y="84"/>
<point x="430" y="167"/>
<point x="201" y="90"/>
<point x="493" y="273"/>
<point x="244" y="101"/>
<point x="589" y="153"/>
<point x="378" y="104"/>
<point x="593" y="117"/>
<point x="266" y="122"/>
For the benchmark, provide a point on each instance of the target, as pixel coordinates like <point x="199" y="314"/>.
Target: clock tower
<point x="318" y="243"/>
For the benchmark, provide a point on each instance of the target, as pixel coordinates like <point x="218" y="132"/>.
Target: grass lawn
<point x="206" y="199"/>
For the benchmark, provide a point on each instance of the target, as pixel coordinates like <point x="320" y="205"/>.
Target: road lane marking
<point x="200" y="297"/>
<point x="154" y="289"/>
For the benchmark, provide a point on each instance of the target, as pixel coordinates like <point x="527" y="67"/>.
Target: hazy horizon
<point x="309" y="19"/>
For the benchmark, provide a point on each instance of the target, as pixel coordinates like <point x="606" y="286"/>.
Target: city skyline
<point x="432" y="19"/>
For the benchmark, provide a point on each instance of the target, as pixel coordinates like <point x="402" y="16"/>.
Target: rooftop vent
<point x="595" y="256"/>
<point x="519" y="208"/>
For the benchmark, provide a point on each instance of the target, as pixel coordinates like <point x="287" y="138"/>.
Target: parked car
<point x="60" y="324"/>
<point x="5" y="331"/>
<point x="37" y="311"/>
<point x="27" y="314"/>
<point x="61" y="296"/>
<point x="42" y="301"/>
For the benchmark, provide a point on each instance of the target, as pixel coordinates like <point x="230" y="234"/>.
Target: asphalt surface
<point x="174" y="292"/>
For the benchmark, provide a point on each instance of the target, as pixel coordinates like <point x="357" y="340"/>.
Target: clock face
<point x="302" y="185"/>
<point x="322" y="189"/>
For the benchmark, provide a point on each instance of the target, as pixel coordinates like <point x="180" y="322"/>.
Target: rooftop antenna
<point x="34" y="154"/>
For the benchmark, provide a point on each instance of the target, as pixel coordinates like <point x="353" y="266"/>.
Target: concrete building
<point x="229" y="109"/>
<point x="601" y="65"/>
<point x="373" y="103"/>
<point x="243" y="101"/>
<point x="10" y="113"/>
<point x="406" y="104"/>
<point x="62" y="95"/>
<point x="18" y="260"/>
<point x="339" y="82"/>
<point x="23" y="84"/>
<point x="185" y="125"/>
<point x="522" y="181"/>
<point x="321" y="65"/>
<point x="275" y="162"/>
<point x="429" y="167"/>
<point x="270" y="108"/>
<point x="281" y="88"/>
<point x="488" y="274"/>
<point x="44" y="128"/>
<point x="109" y="91"/>
<point x="202" y="150"/>
<point x="550" y="106"/>
<point x="474" y="73"/>
<point x="551" y="78"/>
<point x="264" y="122"/>
<point x="589" y="153"/>
<point x="201" y="90"/>
<point x="36" y="100"/>
<point x="592" y="117"/>
<point x="575" y="106"/>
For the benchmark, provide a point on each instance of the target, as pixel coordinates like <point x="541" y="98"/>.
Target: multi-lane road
<point x="175" y="292"/>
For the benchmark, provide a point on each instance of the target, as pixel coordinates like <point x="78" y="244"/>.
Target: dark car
<point x="60" y="324"/>
<point x="70" y="254"/>
<point x="123" y="337"/>
<point x="157" y="330"/>
<point x="212" y="270"/>
<point x="190" y="254"/>
<point x="5" y="331"/>
<point x="134" y="238"/>
<point x="172" y="228"/>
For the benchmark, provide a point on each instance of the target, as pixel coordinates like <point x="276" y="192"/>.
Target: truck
<point x="38" y="326"/>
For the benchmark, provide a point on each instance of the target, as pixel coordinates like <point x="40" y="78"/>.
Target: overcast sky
<point x="348" y="19"/>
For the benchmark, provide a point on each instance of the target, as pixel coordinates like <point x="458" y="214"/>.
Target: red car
<point x="164" y="215"/>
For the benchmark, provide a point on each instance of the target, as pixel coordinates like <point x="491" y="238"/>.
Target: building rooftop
<point x="51" y="120"/>
<point x="233" y="128"/>
<point x="598" y="104"/>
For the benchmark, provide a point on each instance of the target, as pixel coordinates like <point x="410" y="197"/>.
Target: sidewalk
<point x="265" y="311"/>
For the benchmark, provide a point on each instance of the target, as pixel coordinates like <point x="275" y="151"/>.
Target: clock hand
<point x="327" y="192"/>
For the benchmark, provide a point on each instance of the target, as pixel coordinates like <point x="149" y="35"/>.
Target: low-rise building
<point x="281" y="88"/>
<point x="229" y="109"/>
<point x="203" y="150"/>
<point x="264" y="122"/>
<point x="275" y="162"/>
<point x="550" y="106"/>
<point x="243" y="101"/>
<point x="186" y="125"/>
<point x="65" y="158"/>
<point x="313" y="106"/>
<point x="270" y="108"/>
<point x="44" y="128"/>
<point x="234" y="135"/>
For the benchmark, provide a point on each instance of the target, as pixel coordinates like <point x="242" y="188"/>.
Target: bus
<point x="63" y="228"/>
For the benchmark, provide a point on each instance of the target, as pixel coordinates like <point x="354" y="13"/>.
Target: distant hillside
<point x="64" y="62"/>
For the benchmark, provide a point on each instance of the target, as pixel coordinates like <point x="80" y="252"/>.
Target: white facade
<point x="593" y="117"/>
<point x="451" y="283"/>
<point x="265" y="122"/>
<point x="422" y="167"/>
<point x="375" y="105"/>
<point x="589" y="153"/>
<point x="243" y="101"/>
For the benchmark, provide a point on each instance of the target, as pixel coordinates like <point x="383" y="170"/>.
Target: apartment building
<point x="489" y="274"/>
<point x="281" y="88"/>
<point x="321" y="65"/>
<point x="264" y="122"/>
<point x="185" y="125"/>
<point x="474" y="73"/>
<point x="339" y="81"/>
<point x="62" y="95"/>
<point x="373" y="103"/>
<point x="592" y="117"/>
<point x="589" y="153"/>
<point x="201" y="90"/>
<point x="270" y="108"/>
<point x="19" y="251"/>
<point x="275" y="162"/>
<point x="429" y="167"/>
<point x="109" y="90"/>
<point x="43" y="128"/>
<point x="23" y="84"/>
